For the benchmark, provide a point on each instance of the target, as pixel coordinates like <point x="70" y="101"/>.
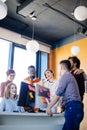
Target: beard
<point x="72" y="67"/>
<point x="32" y="77"/>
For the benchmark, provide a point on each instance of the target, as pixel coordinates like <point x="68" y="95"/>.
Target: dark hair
<point x="48" y="70"/>
<point x="31" y="66"/>
<point x="75" y="60"/>
<point x="10" y="71"/>
<point x="66" y="64"/>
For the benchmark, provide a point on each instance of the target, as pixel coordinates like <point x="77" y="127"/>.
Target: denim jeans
<point x="73" y="115"/>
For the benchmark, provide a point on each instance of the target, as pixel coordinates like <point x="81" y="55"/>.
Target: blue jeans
<point x="73" y="115"/>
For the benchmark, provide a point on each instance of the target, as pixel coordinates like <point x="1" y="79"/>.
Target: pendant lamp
<point x="75" y="50"/>
<point x="80" y="13"/>
<point x="32" y="45"/>
<point x="3" y="9"/>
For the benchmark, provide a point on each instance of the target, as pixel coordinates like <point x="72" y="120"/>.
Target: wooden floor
<point x="84" y="122"/>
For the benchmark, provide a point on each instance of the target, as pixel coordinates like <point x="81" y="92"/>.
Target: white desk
<point x="30" y="121"/>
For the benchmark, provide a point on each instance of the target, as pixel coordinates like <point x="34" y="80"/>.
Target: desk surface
<point x="28" y="114"/>
<point x="33" y="121"/>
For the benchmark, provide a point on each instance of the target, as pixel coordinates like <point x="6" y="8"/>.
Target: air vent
<point x="29" y="6"/>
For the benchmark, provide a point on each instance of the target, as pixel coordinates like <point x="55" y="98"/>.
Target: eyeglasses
<point x="12" y="75"/>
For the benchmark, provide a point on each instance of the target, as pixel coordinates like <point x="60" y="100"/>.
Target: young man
<point x="68" y="88"/>
<point x="31" y="79"/>
<point x="78" y="74"/>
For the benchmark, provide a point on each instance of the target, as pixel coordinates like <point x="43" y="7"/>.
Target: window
<point x="4" y="58"/>
<point x="44" y="63"/>
<point x="22" y="59"/>
<point x="15" y="56"/>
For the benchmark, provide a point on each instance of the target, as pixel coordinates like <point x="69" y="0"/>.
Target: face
<point x="72" y="63"/>
<point x="48" y="75"/>
<point x="32" y="73"/>
<point x="13" y="90"/>
<point x="11" y="77"/>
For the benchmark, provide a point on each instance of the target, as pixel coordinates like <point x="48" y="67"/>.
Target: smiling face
<point x="32" y="73"/>
<point x="49" y="74"/>
<point x="11" y="77"/>
<point x="10" y="91"/>
<point x="13" y="90"/>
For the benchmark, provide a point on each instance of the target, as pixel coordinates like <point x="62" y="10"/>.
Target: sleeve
<point x="63" y="81"/>
<point x="56" y="84"/>
<point x="85" y="76"/>
<point x="1" y="87"/>
<point x="21" y="109"/>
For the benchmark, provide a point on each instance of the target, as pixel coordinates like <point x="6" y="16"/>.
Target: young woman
<point x="9" y="101"/>
<point x="10" y="75"/>
<point x="51" y="83"/>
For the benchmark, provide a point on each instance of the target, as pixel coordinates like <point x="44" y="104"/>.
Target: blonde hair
<point x="7" y="90"/>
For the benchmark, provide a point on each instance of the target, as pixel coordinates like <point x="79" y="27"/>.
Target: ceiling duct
<point x="27" y="7"/>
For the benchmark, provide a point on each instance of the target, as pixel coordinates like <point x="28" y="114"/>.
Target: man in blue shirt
<point x="68" y="88"/>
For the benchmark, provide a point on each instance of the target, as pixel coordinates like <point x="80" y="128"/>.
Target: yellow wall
<point x="64" y="52"/>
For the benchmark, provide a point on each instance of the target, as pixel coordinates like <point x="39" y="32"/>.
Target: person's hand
<point x="78" y="71"/>
<point x="43" y="81"/>
<point x="49" y="112"/>
<point x="59" y="109"/>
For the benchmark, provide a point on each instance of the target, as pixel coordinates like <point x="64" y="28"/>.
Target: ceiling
<point x="54" y="19"/>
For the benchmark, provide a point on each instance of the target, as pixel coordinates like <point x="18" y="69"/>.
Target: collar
<point x="30" y="81"/>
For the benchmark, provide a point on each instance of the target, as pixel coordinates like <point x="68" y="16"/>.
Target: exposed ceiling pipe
<point x="65" y="15"/>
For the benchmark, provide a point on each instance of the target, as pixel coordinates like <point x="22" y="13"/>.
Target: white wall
<point x="20" y="39"/>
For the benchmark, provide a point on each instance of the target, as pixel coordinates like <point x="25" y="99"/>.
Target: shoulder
<point x="27" y="78"/>
<point x="79" y="76"/>
<point x="37" y="79"/>
<point x="3" y="83"/>
<point x="67" y="75"/>
<point x="3" y="100"/>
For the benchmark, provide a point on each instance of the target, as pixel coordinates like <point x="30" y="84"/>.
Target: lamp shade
<point x="3" y="0"/>
<point x="75" y="50"/>
<point x="3" y="10"/>
<point x="80" y="13"/>
<point x="32" y="46"/>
